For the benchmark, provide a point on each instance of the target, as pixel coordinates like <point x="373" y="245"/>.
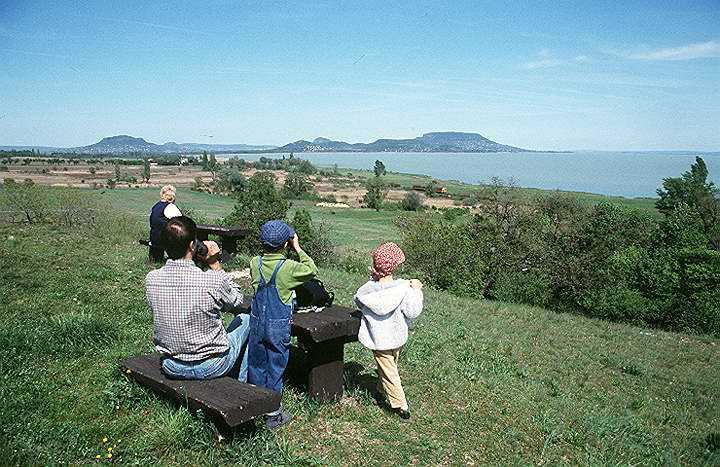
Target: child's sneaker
<point x="274" y="422"/>
<point x="404" y="414"/>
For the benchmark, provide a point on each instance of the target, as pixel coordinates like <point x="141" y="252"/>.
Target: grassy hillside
<point x="361" y="228"/>
<point x="487" y="382"/>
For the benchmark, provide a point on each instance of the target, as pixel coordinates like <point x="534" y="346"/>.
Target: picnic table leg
<point x="325" y="368"/>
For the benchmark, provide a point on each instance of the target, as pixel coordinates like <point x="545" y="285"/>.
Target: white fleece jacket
<point x="387" y="312"/>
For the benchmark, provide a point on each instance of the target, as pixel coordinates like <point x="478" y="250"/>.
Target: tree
<point x="146" y="169"/>
<point x="693" y="189"/>
<point x="118" y="174"/>
<point x="25" y="197"/>
<point x="204" y="160"/>
<point x="297" y="185"/>
<point x="212" y="166"/>
<point x="379" y="169"/>
<point x="376" y="192"/>
<point x="230" y="180"/>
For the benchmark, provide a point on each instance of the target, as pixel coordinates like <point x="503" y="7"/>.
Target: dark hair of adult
<point x="177" y="235"/>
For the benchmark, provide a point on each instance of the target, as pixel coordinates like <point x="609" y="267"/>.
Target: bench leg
<point x="325" y="369"/>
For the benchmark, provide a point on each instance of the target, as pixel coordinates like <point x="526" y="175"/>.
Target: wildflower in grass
<point x="109" y="456"/>
<point x="97" y="456"/>
<point x="104" y="440"/>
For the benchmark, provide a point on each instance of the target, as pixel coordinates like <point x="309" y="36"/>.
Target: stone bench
<point x="226" y="401"/>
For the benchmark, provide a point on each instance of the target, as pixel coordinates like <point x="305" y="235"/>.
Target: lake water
<point x="630" y="174"/>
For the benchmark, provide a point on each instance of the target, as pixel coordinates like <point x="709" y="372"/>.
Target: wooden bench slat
<point x="225" y="400"/>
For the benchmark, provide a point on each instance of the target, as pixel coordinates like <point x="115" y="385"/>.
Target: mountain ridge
<point x="440" y="141"/>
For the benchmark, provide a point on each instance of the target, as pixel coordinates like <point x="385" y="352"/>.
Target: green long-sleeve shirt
<point x="290" y="275"/>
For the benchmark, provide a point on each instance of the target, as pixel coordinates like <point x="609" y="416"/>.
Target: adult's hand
<point x="212" y="256"/>
<point x="416" y="284"/>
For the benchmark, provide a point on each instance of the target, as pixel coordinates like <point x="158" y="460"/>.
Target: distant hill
<point x="449" y="141"/>
<point x="123" y="144"/>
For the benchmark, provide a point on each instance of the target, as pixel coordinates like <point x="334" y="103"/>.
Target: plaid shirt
<point x="186" y="304"/>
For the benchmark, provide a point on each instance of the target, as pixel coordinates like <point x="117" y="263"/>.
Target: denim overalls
<point x="269" y="340"/>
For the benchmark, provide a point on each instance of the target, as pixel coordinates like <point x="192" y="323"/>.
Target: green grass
<point x="487" y="382"/>
<point x="138" y="201"/>
<point x="359" y="228"/>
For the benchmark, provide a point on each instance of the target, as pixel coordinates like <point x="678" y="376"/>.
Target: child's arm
<point x="302" y="271"/>
<point x="412" y="304"/>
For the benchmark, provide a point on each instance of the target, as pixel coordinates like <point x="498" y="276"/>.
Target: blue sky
<point x="546" y="75"/>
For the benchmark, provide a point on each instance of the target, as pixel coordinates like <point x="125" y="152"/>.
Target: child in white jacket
<point x="388" y="306"/>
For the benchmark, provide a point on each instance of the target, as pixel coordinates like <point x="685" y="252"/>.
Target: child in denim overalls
<point x="274" y="276"/>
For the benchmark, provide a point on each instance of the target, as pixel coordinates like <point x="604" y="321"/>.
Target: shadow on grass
<point x="358" y="381"/>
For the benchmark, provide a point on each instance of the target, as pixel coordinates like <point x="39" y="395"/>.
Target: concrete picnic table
<point x="322" y="335"/>
<point x="229" y="235"/>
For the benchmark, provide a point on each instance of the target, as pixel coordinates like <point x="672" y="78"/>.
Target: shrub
<point x="314" y="237"/>
<point x="412" y="201"/>
<point x="230" y="180"/>
<point x="443" y="254"/>
<point x="297" y="186"/>
<point x="30" y="200"/>
<point x="376" y="192"/>
<point x="305" y="167"/>
<point x="258" y="202"/>
<point x="453" y="214"/>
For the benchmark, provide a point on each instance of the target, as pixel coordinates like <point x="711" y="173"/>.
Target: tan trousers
<point x="386" y="361"/>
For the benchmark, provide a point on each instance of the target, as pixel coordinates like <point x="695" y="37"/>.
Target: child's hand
<point x="296" y="243"/>
<point x="416" y="284"/>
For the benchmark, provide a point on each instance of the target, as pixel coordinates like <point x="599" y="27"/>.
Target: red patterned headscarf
<point x="386" y="258"/>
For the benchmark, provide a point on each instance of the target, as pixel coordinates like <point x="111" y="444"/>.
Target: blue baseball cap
<point x="275" y="233"/>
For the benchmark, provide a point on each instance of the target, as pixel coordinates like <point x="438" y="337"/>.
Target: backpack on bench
<point x="313" y="294"/>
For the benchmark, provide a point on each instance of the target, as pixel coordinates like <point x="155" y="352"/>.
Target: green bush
<point x="230" y="180"/>
<point x="454" y="214"/>
<point x="297" y="186"/>
<point x="376" y="192"/>
<point x="605" y="261"/>
<point x="443" y="254"/>
<point x="314" y="237"/>
<point x="258" y="202"/>
<point x="412" y="201"/>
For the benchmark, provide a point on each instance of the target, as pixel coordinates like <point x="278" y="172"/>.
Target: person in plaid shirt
<point x="187" y="305"/>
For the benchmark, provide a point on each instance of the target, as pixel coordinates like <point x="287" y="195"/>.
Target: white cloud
<point x="543" y="63"/>
<point x="686" y="52"/>
<point x="546" y="59"/>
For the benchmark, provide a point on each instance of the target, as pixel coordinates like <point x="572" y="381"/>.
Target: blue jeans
<point x="215" y="367"/>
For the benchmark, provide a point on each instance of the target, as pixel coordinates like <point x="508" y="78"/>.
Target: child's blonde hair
<point x="167" y="193"/>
